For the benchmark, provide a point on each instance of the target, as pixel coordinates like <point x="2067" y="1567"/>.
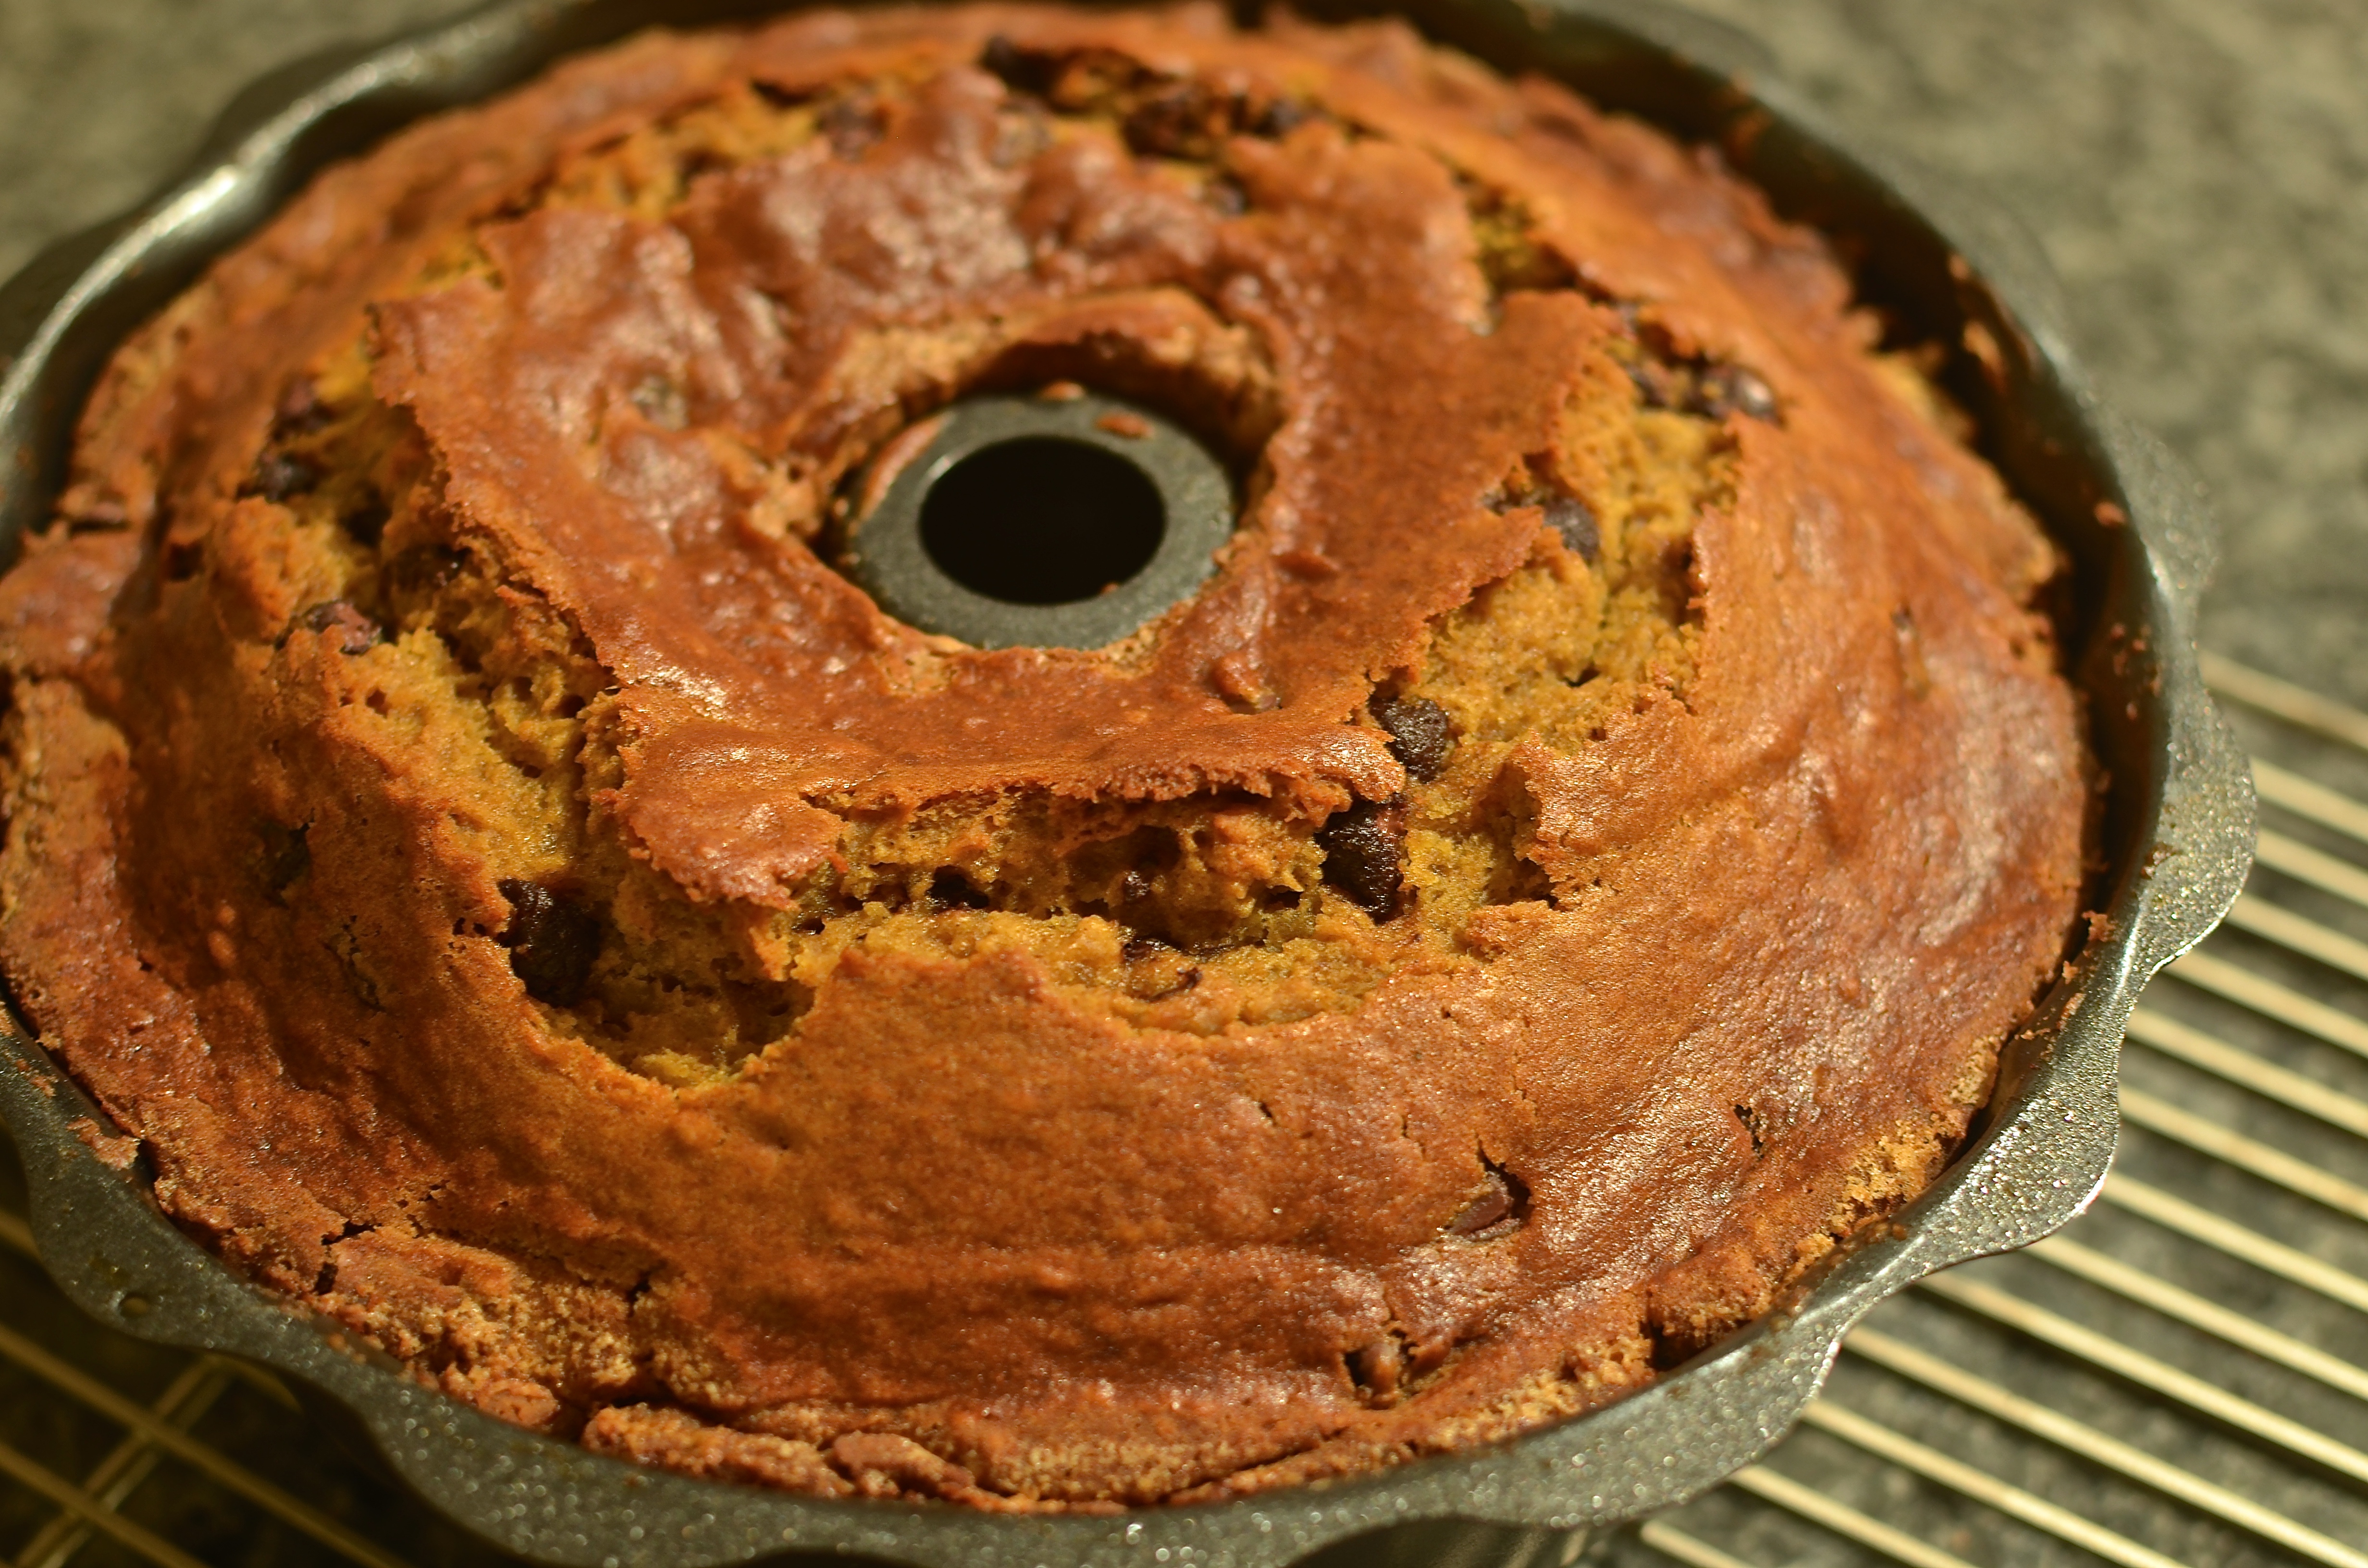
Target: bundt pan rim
<point x="2178" y="837"/>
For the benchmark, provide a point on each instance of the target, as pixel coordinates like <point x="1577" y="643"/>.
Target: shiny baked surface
<point x="1759" y="825"/>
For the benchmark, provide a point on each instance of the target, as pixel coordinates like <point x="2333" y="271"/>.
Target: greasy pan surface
<point x="2180" y="812"/>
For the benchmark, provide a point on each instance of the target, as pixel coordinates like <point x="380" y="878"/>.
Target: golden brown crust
<point x="1708" y="927"/>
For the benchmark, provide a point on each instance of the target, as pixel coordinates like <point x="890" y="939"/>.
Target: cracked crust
<point x="1573" y="863"/>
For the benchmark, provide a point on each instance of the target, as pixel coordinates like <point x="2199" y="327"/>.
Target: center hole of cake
<point x="1042" y="520"/>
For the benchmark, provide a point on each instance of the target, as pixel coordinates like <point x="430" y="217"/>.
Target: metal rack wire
<point x="2179" y="1380"/>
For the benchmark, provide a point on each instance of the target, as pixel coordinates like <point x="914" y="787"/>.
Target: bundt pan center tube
<point x="2173" y="836"/>
<point x="1059" y="521"/>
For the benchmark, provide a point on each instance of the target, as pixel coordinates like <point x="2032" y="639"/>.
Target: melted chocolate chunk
<point x="1281" y="117"/>
<point x="347" y="628"/>
<point x="366" y="524"/>
<point x="1022" y="72"/>
<point x="1365" y="849"/>
<point x="1713" y="390"/>
<point x="423" y="569"/>
<point x="1731" y="389"/>
<point x="285" y="856"/>
<point x="301" y="410"/>
<point x="1182" y="121"/>
<point x="554" y="940"/>
<point x="1420" y="736"/>
<point x="1141" y="948"/>
<point x="950" y="889"/>
<point x="1568" y="515"/>
<point x="1657" y="386"/>
<point x="1496" y="1207"/>
<point x="278" y="476"/>
<point x="851" y="126"/>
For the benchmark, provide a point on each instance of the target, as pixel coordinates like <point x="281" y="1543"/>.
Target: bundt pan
<point x="2177" y="832"/>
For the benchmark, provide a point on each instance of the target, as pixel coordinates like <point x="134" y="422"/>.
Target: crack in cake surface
<point x="1272" y="913"/>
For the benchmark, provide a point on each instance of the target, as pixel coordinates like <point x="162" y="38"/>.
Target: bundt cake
<point x="1569" y="860"/>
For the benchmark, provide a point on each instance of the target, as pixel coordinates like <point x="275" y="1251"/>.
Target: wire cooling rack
<point x="2178" y="1380"/>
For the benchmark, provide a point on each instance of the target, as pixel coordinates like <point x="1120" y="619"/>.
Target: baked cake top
<point x="1573" y="860"/>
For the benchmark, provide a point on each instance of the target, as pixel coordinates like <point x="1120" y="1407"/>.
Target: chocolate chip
<point x="1281" y="117"/>
<point x="1175" y="122"/>
<point x="1568" y="515"/>
<point x="1363" y="848"/>
<point x="285" y="856"/>
<point x="301" y="411"/>
<point x="852" y="126"/>
<point x="1731" y="389"/>
<point x="1228" y="195"/>
<point x="1002" y="58"/>
<point x="278" y="476"/>
<point x="950" y="889"/>
<point x="366" y="524"/>
<point x="554" y="940"/>
<point x="1022" y="72"/>
<point x="1498" y="1207"/>
<point x="1420" y="736"/>
<point x="1657" y="386"/>
<point x="423" y="569"/>
<point x="348" y="628"/>
<point x="1139" y="947"/>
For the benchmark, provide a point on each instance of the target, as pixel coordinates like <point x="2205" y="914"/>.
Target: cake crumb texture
<point x="1570" y="868"/>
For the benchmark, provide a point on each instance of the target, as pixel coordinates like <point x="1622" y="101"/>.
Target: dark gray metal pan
<point x="2177" y="831"/>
